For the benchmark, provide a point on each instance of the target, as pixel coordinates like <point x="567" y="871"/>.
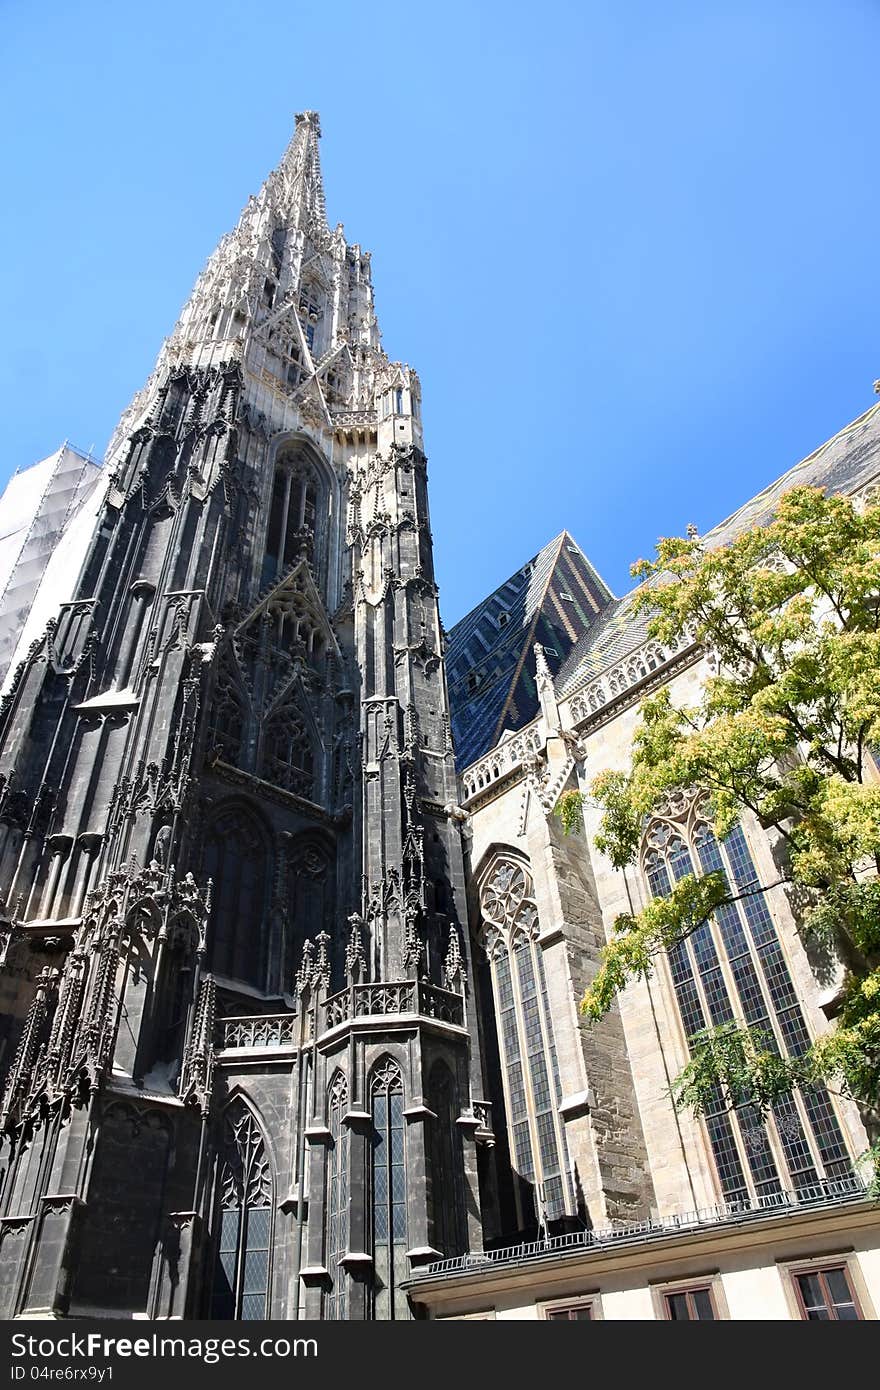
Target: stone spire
<point x="299" y="175"/>
<point x="285" y="296"/>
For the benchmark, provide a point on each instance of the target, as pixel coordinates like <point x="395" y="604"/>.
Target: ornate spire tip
<point x="309" y="118"/>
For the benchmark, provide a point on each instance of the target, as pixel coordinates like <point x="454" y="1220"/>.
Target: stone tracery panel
<point x="243" y="1226"/>
<point x="509" y="935"/>
<point x="288" y="758"/>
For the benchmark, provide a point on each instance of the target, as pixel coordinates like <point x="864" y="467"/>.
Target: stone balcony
<point x="409" y="997"/>
<point x="399" y="998"/>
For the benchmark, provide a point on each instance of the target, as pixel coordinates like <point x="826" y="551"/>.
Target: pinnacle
<point x="309" y="118"/>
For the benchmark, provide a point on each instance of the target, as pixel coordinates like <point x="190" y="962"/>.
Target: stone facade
<point x="289" y="1001"/>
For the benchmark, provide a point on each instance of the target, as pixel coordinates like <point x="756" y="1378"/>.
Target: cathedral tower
<point x="242" y="1077"/>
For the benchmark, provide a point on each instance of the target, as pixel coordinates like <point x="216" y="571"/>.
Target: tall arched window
<point x="336" y="1209"/>
<point x="244" y="1220"/>
<point x="531" y="1074"/>
<point x="447" y="1163"/>
<point x="293" y="515"/>
<point x="732" y="969"/>
<point x="388" y="1191"/>
<point x="236" y="859"/>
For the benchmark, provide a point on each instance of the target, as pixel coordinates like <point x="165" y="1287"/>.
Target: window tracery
<point x="244" y="1220"/>
<point x="336" y="1296"/>
<point x="226" y="734"/>
<point x="288" y="629"/>
<point x="732" y="970"/>
<point x="288" y="757"/>
<point x="310" y="899"/>
<point x="298" y="495"/>
<point x="530" y="1070"/>
<point x="388" y="1190"/>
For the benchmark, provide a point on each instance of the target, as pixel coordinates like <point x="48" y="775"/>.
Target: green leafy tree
<point x="790" y="614"/>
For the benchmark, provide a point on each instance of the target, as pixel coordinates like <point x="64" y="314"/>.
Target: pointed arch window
<point x="732" y="969"/>
<point x="244" y="1221"/>
<point x="529" y="1064"/>
<point x="293" y="515"/>
<point x="388" y="1191"/>
<point x="336" y="1210"/>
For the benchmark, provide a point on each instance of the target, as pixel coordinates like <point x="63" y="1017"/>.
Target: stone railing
<point x="352" y="419"/>
<point x="442" y="1004"/>
<point x="399" y="997"/>
<point x="507" y="757"/>
<point x="608" y="686"/>
<point x="514" y="753"/>
<point x="263" y="1030"/>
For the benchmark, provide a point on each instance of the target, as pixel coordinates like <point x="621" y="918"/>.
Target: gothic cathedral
<point x="248" y="1080"/>
<point x="288" y="999"/>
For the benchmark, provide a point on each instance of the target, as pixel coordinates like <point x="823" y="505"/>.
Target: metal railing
<point x="827" y="1193"/>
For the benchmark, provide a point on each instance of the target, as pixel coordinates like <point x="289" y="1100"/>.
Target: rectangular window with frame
<point x="694" y="1304"/>
<point x="581" y="1311"/>
<point x="826" y="1294"/>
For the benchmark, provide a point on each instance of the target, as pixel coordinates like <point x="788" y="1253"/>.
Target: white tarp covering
<point x="42" y="546"/>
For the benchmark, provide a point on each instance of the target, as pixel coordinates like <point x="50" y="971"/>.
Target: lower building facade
<point x="811" y="1257"/>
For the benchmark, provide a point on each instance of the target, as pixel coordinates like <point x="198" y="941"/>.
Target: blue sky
<point x="631" y="248"/>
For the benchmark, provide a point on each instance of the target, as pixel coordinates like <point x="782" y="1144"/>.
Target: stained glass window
<point x="389" y="1191"/>
<point x="244" y="1221"/>
<point x="529" y="1062"/>
<point x="732" y="969"/>
<point x="336" y="1296"/>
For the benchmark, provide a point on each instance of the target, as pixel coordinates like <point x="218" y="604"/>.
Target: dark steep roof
<point x="553" y="599"/>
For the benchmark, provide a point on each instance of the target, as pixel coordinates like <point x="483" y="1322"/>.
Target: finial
<point x="309" y="118"/>
<point x="355" y="965"/>
<point x="542" y="670"/>
<point x="693" y="533"/>
<point x="454" y="976"/>
<point x="306" y="969"/>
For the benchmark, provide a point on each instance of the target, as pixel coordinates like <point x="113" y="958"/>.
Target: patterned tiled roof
<point x="844" y="464"/>
<point x="618" y="632"/>
<point x="553" y="599"/>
